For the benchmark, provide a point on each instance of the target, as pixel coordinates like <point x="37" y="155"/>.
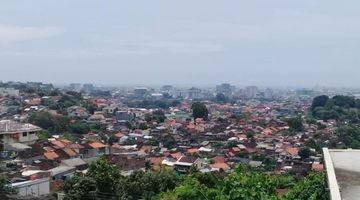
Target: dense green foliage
<point x="199" y="110"/>
<point x="61" y="124"/>
<point x="80" y="188"/>
<point x="103" y="180"/>
<point x="250" y="185"/>
<point x="70" y="99"/>
<point x="220" y="98"/>
<point x="5" y="190"/>
<point x="348" y="137"/>
<point x="304" y="153"/>
<point x="340" y="108"/>
<point x="157" y="115"/>
<point x="295" y="124"/>
<point x="312" y="187"/>
<point x="319" y="101"/>
<point x="346" y="111"/>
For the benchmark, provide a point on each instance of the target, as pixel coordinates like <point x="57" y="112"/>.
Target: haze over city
<point x="179" y="100"/>
<point x="266" y="43"/>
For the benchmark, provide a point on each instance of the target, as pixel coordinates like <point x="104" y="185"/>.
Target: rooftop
<point x="343" y="171"/>
<point x="8" y="126"/>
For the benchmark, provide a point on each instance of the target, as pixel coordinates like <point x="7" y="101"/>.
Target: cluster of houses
<point x="250" y="132"/>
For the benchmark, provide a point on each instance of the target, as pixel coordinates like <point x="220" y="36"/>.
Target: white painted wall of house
<point x="36" y="188"/>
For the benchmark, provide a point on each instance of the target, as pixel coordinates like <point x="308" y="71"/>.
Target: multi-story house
<point x="14" y="132"/>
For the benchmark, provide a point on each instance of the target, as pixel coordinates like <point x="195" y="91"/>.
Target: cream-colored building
<point x="12" y="132"/>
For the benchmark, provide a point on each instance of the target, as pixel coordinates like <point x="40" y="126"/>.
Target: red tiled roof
<point x="58" y="143"/>
<point x="75" y="146"/>
<point x="219" y="159"/>
<point x="51" y="155"/>
<point x="97" y="145"/>
<point x="119" y="135"/>
<point x="176" y="155"/>
<point x="193" y="150"/>
<point x="187" y="159"/>
<point x="251" y="150"/>
<point x="70" y="152"/>
<point x="223" y="166"/>
<point x="292" y="151"/>
<point x="65" y="141"/>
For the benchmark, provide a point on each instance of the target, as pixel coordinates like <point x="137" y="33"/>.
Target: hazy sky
<point x="186" y="42"/>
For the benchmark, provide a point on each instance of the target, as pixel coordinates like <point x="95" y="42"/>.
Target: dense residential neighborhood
<point x="50" y="136"/>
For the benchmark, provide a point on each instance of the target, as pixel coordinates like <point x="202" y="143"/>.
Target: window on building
<point x="24" y="134"/>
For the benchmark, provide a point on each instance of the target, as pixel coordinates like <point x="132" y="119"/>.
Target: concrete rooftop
<point x="343" y="170"/>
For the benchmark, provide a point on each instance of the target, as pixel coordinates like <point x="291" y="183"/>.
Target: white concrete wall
<point x="38" y="188"/>
<point x="8" y="138"/>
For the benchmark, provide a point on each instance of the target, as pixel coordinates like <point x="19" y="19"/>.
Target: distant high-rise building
<point x="194" y="93"/>
<point x="75" y="87"/>
<point x="88" y="87"/>
<point x="250" y="92"/>
<point x="167" y="88"/>
<point x="268" y="93"/>
<point x="179" y="93"/>
<point x="225" y="89"/>
<point x="140" y="91"/>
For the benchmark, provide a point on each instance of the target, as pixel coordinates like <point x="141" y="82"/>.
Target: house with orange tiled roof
<point x="119" y="135"/>
<point x="292" y="151"/>
<point x="94" y="149"/>
<point x="70" y="149"/>
<point x="192" y="150"/>
<point x="220" y="159"/>
<point x="51" y="155"/>
<point x="57" y="144"/>
<point x="71" y="153"/>
<point x="220" y="166"/>
<point x="156" y="161"/>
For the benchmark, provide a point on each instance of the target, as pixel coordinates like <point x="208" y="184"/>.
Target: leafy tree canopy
<point x="199" y="110"/>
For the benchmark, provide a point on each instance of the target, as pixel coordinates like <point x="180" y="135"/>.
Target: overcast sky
<point x="183" y="42"/>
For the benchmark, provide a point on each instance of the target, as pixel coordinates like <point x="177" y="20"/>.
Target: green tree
<point x="148" y="166"/>
<point x="159" y="116"/>
<point x="249" y="186"/>
<point x="141" y="185"/>
<point x="312" y="187"/>
<point x="79" y="127"/>
<point x="221" y="98"/>
<point x="43" y="119"/>
<point x="319" y="101"/>
<point x="199" y="110"/>
<point x="43" y="135"/>
<point x="349" y="136"/>
<point x="90" y="107"/>
<point x="295" y="124"/>
<point x="5" y="189"/>
<point x="310" y="119"/>
<point x="105" y="175"/>
<point x="304" y="152"/>
<point x="79" y="188"/>
<point x="312" y="143"/>
<point x="143" y="126"/>
<point x="190" y="189"/>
